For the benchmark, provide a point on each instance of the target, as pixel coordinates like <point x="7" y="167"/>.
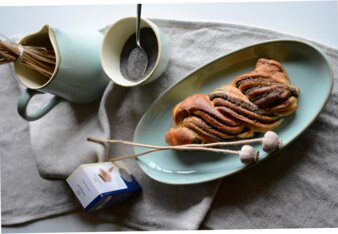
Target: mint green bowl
<point x="307" y="68"/>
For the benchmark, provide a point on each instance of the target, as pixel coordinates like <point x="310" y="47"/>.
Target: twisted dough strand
<point x="256" y="101"/>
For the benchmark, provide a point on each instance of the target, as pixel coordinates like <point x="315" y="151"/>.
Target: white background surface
<point x="314" y="20"/>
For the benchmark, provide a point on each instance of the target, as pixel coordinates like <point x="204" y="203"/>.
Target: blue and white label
<point x="92" y="180"/>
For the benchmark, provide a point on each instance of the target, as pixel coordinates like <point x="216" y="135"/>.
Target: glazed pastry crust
<point x="256" y="101"/>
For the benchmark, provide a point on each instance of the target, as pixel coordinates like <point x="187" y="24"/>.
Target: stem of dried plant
<point x="154" y="148"/>
<point x="36" y="58"/>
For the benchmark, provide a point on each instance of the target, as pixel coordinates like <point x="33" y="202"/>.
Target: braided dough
<point x="254" y="102"/>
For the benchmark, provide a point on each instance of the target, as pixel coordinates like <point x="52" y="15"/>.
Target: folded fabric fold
<point x="59" y="139"/>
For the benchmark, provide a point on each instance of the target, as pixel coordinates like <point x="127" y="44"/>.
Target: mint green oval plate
<point x="307" y="68"/>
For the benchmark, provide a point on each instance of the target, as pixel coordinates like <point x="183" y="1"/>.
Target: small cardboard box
<point x="101" y="184"/>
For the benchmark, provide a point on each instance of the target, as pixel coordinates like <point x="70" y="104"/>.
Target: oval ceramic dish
<point x="307" y="68"/>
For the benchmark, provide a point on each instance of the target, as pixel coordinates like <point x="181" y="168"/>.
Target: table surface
<point x="314" y="20"/>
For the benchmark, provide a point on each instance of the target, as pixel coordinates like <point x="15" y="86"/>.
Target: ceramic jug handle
<point x="24" y="99"/>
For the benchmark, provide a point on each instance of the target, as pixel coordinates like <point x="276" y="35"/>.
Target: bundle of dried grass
<point x="39" y="59"/>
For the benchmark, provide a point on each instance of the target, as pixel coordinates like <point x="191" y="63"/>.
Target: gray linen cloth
<point x="295" y="189"/>
<point x="24" y="194"/>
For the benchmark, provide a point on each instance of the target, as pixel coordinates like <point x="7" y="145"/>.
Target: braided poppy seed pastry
<point x="254" y="102"/>
<point x="268" y="87"/>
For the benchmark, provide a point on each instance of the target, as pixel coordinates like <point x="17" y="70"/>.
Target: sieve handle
<point x="23" y="102"/>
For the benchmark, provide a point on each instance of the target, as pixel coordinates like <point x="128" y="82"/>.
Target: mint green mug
<point x="78" y="76"/>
